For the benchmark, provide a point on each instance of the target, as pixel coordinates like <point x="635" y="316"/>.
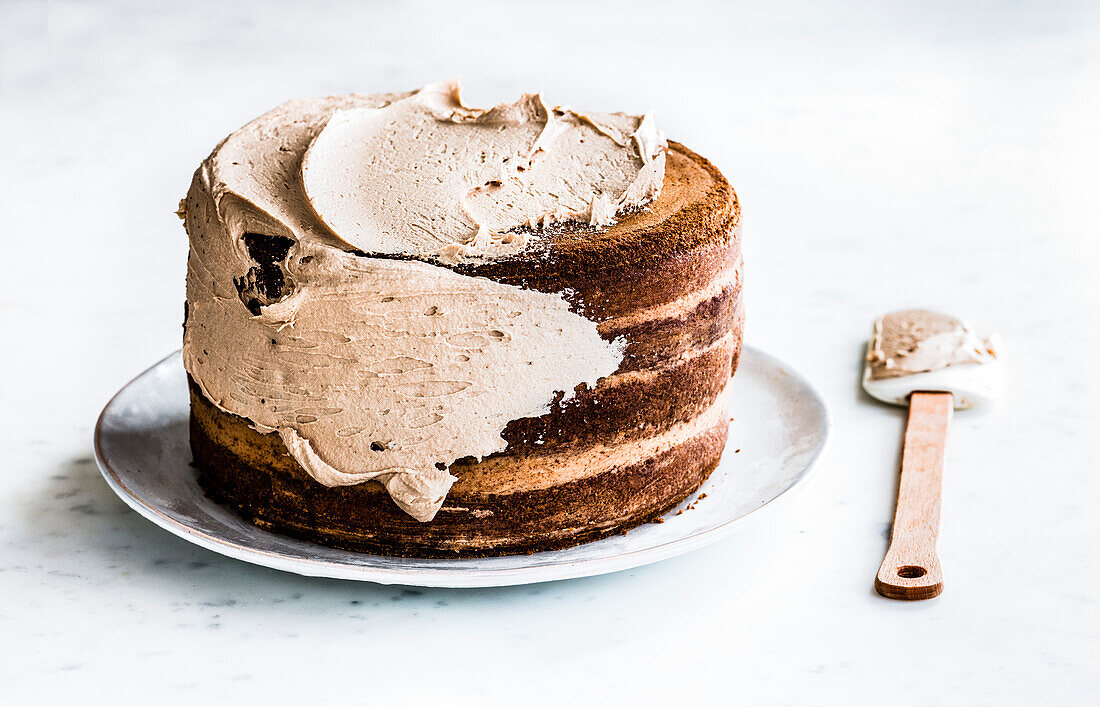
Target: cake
<point x="419" y="328"/>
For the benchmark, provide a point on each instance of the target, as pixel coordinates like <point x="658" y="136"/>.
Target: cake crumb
<point x="658" y="519"/>
<point x="737" y="451"/>
<point x="701" y="497"/>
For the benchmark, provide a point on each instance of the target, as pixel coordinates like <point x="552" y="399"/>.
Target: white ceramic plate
<point x="780" y="427"/>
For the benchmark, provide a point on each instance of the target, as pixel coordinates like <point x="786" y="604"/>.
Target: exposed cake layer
<point x="598" y="491"/>
<point x="633" y="404"/>
<point x="667" y="332"/>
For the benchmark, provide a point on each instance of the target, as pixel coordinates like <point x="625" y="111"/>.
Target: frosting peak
<point x="428" y="176"/>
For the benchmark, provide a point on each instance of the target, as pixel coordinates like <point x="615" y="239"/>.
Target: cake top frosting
<point x="370" y="367"/>
<point x="422" y="174"/>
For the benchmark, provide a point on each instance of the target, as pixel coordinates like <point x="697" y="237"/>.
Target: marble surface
<point x="887" y="155"/>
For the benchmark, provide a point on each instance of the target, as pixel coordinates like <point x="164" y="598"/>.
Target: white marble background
<point x="887" y="154"/>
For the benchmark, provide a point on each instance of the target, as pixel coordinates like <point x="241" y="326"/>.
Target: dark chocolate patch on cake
<point x="266" y="281"/>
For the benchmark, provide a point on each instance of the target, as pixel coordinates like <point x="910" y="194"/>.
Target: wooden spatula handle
<point x="911" y="569"/>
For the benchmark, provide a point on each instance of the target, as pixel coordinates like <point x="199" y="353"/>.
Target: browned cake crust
<point x="668" y="279"/>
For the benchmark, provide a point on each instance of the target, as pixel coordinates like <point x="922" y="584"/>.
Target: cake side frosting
<point x="390" y="369"/>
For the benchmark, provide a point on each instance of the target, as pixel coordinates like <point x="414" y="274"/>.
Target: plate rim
<point x="452" y="577"/>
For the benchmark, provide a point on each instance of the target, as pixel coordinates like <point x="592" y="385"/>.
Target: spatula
<point x="934" y="364"/>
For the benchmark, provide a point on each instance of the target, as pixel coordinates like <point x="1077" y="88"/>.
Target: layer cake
<point x="419" y="328"/>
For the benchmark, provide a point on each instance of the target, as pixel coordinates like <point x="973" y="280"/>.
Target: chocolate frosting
<point x="917" y="341"/>
<point x="426" y="175"/>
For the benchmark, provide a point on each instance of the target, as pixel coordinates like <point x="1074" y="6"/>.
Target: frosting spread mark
<point x="428" y="176"/>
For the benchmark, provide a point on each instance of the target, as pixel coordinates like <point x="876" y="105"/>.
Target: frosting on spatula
<point x="915" y="349"/>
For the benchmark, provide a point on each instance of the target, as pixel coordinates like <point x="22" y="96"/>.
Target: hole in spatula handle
<point x="911" y="569"/>
<point x="919" y="578"/>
